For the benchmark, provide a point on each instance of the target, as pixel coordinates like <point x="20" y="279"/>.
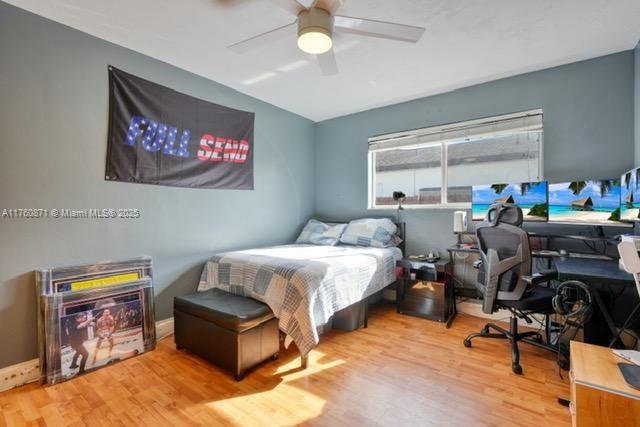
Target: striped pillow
<point x="378" y="233"/>
<point x="319" y="233"/>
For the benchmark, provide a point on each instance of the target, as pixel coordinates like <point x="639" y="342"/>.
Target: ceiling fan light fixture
<point x="315" y="27"/>
<point x="315" y="41"/>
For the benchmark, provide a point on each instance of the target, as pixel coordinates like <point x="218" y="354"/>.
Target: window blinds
<point x="517" y="123"/>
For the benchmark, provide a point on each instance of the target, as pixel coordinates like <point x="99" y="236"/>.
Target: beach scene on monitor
<point x="585" y="202"/>
<point x="531" y="197"/>
<point x="630" y="197"/>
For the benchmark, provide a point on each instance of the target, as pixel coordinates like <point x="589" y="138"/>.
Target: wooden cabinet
<point x="599" y="394"/>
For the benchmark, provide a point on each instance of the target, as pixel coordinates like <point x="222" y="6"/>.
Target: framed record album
<point x="93" y="315"/>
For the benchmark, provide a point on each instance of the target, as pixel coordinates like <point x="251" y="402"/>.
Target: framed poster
<point x="91" y="316"/>
<point x="100" y="330"/>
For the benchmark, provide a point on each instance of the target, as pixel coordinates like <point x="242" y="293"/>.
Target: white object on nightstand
<point x="459" y="221"/>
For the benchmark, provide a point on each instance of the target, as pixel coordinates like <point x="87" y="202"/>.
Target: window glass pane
<point x="416" y="172"/>
<point x="501" y="159"/>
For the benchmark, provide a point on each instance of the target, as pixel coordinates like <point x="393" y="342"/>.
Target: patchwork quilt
<point x="304" y="285"/>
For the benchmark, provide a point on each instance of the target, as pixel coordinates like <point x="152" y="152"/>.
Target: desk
<point x="463" y="290"/>
<point x="592" y="271"/>
<point x="537" y="253"/>
<point x="599" y="394"/>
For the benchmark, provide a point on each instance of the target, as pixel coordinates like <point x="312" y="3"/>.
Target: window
<point x="437" y="166"/>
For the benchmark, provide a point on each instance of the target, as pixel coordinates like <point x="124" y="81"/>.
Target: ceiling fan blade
<point x="291" y="6"/>
<point x="264" y="39"/>
<point x="327" y="63"/>
<point x="330" y="6"/>
<point x="371" y="28"/>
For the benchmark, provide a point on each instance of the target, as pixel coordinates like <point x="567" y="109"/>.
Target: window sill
<point x="441" y="206"/>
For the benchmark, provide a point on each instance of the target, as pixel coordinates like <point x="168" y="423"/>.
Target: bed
<point x="303" y="284"/>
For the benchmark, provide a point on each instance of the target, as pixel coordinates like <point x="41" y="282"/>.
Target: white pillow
<point x="319" y="233"/>
<point x="379" y="233"/>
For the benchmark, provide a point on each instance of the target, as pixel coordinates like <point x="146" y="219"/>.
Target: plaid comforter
<point x="304" y="285"/>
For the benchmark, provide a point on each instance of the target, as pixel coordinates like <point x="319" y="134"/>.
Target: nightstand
<point x="426" y="290"/>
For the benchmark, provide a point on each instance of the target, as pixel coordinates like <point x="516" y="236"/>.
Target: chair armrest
<point x="543" y="276"/>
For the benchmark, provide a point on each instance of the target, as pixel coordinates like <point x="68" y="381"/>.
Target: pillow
<point x="319" y="233"/>
<point x="378" y="233"/>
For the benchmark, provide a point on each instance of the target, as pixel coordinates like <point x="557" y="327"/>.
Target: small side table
<point x="426" y="290"/>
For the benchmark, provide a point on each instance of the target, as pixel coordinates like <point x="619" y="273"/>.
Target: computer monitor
<point x="595" y="202"/>
<point x="531" y="197"/>
<point x="630" y="196"/>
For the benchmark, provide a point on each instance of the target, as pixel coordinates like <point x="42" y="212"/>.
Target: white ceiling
<point x="466" y="42"/>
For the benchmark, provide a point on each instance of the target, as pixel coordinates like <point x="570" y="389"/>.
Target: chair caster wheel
<point x="516" y="368"/>
<point x="484" y="330"/>
<point x="239" y="377"/>
<point x="564" y="365"/>
<point x="274" y="356"/>
<point x="467" y="343"/>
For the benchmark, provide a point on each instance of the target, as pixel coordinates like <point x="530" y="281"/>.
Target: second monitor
<point x="595" y="202"/>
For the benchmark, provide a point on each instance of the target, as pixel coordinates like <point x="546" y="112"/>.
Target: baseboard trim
<point x="164" y="328"/>
<point x="19" y="374"/>
<point x="27" y="372"/>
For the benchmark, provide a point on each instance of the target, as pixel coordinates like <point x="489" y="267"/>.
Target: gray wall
<point x="53" y="130"/>
<point x="588" y="123"/>
<point x="637" y="101"/>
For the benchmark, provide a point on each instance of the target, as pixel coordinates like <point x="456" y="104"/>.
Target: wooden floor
<point x="399" y="371"/>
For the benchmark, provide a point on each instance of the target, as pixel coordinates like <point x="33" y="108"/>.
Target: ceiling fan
<point x="316" y="25"/>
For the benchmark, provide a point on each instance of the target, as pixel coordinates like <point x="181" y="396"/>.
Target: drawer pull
<point x="572" y="409"/>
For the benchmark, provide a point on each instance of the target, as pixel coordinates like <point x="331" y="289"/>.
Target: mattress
<point x="304" y="285"/>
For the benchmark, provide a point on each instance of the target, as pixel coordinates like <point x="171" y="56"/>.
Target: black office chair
<point x="505" y="280"/>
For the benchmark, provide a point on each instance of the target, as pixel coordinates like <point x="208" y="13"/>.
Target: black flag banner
<point x="160" y="136"/>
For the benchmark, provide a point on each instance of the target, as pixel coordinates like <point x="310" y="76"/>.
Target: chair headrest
<point x="504" y="213"/>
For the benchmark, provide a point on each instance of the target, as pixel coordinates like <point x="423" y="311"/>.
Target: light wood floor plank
<point x="399" y="371"/>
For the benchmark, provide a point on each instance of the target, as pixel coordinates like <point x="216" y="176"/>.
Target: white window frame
<point x="371" y="190"/>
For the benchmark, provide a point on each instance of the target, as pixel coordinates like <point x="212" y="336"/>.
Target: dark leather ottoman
<point x="234" y="332"/>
